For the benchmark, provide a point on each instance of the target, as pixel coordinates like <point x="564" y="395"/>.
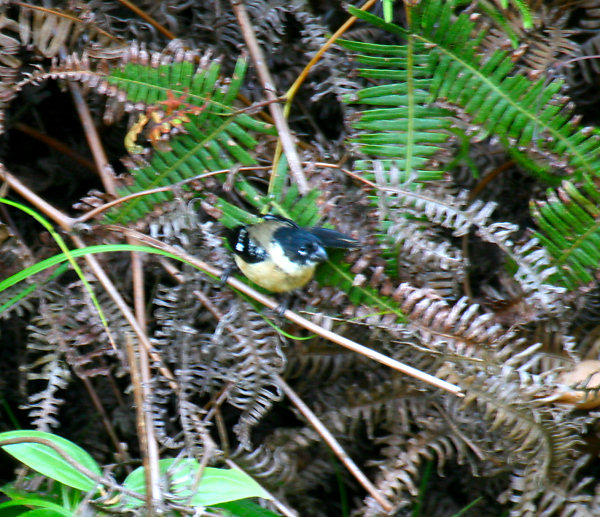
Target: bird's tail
<point x="333" y="239"/>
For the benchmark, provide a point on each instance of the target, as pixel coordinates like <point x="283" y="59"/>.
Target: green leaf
<point x="35" y="500"/>
<point x="65" y="249"/>
<point x="23" y="293"/>
<point x="216" y="485"/>
<point x="47" y="461"/>
<point x="246" y="508"/>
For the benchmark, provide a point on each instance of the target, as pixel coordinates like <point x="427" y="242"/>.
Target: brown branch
<point x="146" y="17"/>
<point x="122" y="454"/>
<point x="268" y="85"/>
<point x="64" y="221"/>
<point x="169" y="188"/>
<point x="140" y="420"/>
<point x="56" y="144"/>
<point x="104" y="168"/>
<point x="334" y="445"/>
<point x="148" y="445"/>
<point x="292" y="316"/>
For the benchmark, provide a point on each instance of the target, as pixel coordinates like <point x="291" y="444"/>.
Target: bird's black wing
<point x="242" y="244"/>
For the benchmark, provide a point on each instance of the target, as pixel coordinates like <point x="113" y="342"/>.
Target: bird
<point x="281" y="256"/>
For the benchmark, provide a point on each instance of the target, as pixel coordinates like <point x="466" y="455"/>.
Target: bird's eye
<point x="302" y="250"/>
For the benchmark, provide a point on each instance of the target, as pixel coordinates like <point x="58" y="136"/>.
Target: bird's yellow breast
<point x="273" y="278"/>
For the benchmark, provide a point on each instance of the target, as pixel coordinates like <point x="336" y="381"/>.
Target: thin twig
<point x="150" y="453"/>
<point x="147" y="439"/>
<point x="334" y="445"/>
<point x="304" y="74"/>
<point x="122" y="455"/>
<point x="169" y="188"/>
<point x="56" y="144"/>
<point x="146" y="17"/>
<point x="140" y="421"/>
<point x="104" y="168"/>
<point x="268" y="85"/>
<point x="64" y="221"/>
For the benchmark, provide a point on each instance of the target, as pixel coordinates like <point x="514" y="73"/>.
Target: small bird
<point x="281" y="256"/>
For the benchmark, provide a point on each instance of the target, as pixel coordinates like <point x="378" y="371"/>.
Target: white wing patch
<point x="239" y="245"/>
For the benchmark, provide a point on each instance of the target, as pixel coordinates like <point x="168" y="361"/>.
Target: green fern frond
<point x="531" y="119"/>
<point x="407" y="132"/>
<point x="338" y="274"/>
<point x="527" y="115"/>
<point x="524" y="9"/>
<point x="217" y="138"/>
<point x="569" y="225"/>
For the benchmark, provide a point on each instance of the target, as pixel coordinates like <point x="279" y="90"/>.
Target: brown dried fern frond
<point x="539" y="47"/>
<point x="590" y="15"/>
<point x="315" y="361"/>
<point x="48" y="30"/>
<point x="267" y="462"/>
<point x="404" y="455"/>
<point x="64" y="340"/>
<point x="44" y="31"/>
<point x="535" y="436"/>
<point x="242" y="358"/>
<point x="397" y="202"/>
<point x="463" y="326"/>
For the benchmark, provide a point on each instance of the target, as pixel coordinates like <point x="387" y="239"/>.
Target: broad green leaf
<point x="45" y="512"/>
<point x="215" y="487"/>
<point x="246" y="508"/>
<point x="47" y="461"/>
<point x="35" y="500"/>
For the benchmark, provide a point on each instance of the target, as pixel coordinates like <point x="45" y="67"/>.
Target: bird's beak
<point x="319" y="255"/>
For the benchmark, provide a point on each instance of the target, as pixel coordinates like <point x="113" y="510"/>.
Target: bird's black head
<point x="300" y="246"/>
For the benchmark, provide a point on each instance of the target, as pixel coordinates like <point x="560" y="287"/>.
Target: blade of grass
<point x="62" y="257"/>
<point x="65" y="249"/>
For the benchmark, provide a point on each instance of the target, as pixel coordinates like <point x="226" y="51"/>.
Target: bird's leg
<point x="225" y="276"/>
<point x="284" y="304"/>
